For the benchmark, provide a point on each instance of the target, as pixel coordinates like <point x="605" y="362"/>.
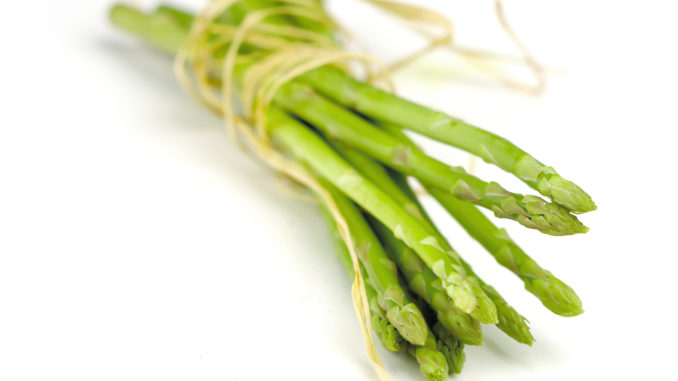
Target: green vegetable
<point x="381" y="272"/>
<point x="452" y="348"/>
<point x="312" y="150"/>
<point x="420" y="279"/>
<point x="386" y="333"/>
<point x="494" y="149"/>
<point x="432" y="363"/>
<point x="551" y="291"/>
<point x="342" y="125"/>
<point x="399" y="252"/>
<point x="530" y="211"/>
<point x="425" y="284"/>
<point x="348" y="134"/>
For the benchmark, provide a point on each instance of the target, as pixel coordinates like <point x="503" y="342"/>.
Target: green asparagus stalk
<point x="551" y="291"/>
<point x="425" y="284"/>
<point x="381" y="272"/>
<point x="339" y="124"/>
<point x="494" y="149"/>
<point x="432" y="363"/>
<point x="427" y="355"/>
<point x="452" y="348"/>
<point x="421" y="281"/>
<point x="386" y="333"/>
<point x="181" y="17"/>
<point x="160" y="31"/>
<point x="484" y="311"/>
<point x="342" y="125"/>
<point x="510" y="321"/>
<point x="310" y="148"/>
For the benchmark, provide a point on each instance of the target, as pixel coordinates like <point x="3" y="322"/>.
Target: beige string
<point x="418" y="17"/>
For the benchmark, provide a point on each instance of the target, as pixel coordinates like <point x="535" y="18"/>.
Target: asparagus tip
<point x="485" y="311"/>
<point x="409" y="321"/>
<point x="388" y="336"/>
<point x="557" y="296"/>
<point x="461" y="293"/>
<point x="566" y="193"/>
<point x="515" y="325"/>
<point x="534" y="212"/>
<point x="463" y="327"/>
<point x="432" y="364"/>
<point x="451" y="347"/>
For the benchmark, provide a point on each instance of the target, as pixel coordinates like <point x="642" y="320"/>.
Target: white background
<point x="138" y="243"/>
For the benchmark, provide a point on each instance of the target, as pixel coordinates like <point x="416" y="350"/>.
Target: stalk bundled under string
<point x="276" y="74"/>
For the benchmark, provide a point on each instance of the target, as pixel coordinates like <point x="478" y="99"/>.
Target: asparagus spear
<point x="494" y="149"/>
<point x="425" y="284"/>
<point x="484" y="311"/>
<point x="509" y="320"/>
<point x="386" y="333"/>
<point x="431" y="361"/>
<point x="551" y="291"/>
<point x="452" y="348"/>
<point x="309" y="148"/>
<point x="530" y="211"/>
<point x="342" y="125"/>
<point x="381" y="272"/>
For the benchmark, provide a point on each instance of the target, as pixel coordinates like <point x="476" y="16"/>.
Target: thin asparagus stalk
<point x="452" y="348"/>
<point x="510" y="321"/>
<point x="386" y="333"/>
<point x="494" y="149"/>
<point x="339" y="124"/>
<point x="421" y="281"/>
<point x="427" y="355"/>
<point x="432" y="363"/>
<point x="425" y="284"/>
<point x="484" y="311"/>
<point x="381" y="272"/>
<point x="160" y="31"/>
<point x="342" y="125"/>
<point x="310" y="148"/>
<point x="551" y="291"/>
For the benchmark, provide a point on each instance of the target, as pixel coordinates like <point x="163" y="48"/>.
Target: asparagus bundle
<point x="345" y="138"/>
